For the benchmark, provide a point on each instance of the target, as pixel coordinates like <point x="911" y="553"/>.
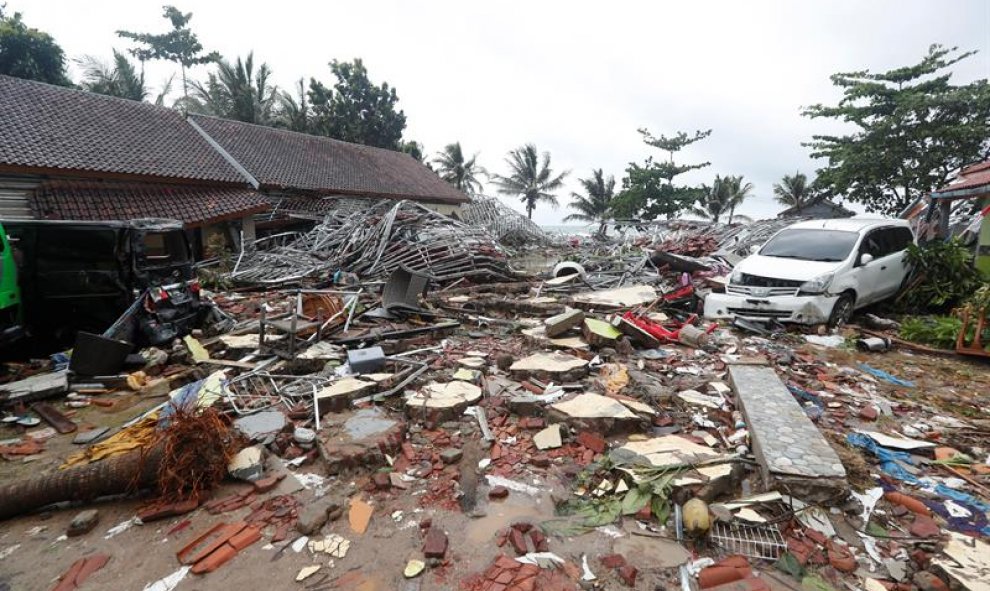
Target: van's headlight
<point x="736" y="277"/>
<point x="817" y="285"/>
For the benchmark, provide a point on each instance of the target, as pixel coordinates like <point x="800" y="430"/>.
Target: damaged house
<point x="72" y="155"/>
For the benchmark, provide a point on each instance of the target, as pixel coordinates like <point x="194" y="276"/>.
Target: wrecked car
<point x="817" y="271"/>
<point x="81" y="276"/>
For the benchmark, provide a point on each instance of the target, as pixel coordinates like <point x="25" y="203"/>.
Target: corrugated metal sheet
<point x="15" y="192"/>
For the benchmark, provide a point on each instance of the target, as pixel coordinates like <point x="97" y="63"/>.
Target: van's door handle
<point x="883" y="268"/>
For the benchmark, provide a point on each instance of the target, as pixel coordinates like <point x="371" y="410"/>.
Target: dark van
<point x="83" y="275"/>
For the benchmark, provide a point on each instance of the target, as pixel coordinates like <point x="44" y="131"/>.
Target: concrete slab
<point x="787" y="445"/>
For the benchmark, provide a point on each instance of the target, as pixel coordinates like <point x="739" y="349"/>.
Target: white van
<point x="817" y="271"/>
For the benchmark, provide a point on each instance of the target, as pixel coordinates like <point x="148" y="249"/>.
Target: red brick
<point x="498" y="492"/>
<point x="540" y="543"/>
<point x="628" y="575"/>
<point x="215" y="560"/>
<point x="925" y="527"/>
<point x="592" y="441"/>
<point x="518" y="541"/>
<point x="613" y="561"/>
<point x="868" y="413"/>
<point x="748" y="584"/>
<point x="435" y="544"/>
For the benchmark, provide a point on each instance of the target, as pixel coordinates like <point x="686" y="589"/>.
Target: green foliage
<point x="180" y="45"/>
<point x="914" y="131"/>
<point x="942" y="275"/>
<point x="118" y="79"/>
<point x="648" y="190"/>
<point x="236" y="91"/>
<point x="596" y="203"/>
<point x="414" y="149"/>
<point x="725" y="194"/>
<point x="355" y="109"/>
<point x="937" y="331"/>
<point x="29" y="53"/>
<point x="530" y="178"/>
<point x="457" y="170"/>
<point x="793" y="190"/>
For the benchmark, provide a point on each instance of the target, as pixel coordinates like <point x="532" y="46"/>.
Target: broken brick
<point x="868" y="413"/>
<point x="540" y="542"/>
<point x="628" y="575"/>
<point x="613" y="561"/>
<point x="382" y="480"/>
<point x="518" y="541"/>
<point x="925" y="527"/>
<point x="498" y="492"/>
<point x="592" y="441"/>
<point x="435" y="544"/>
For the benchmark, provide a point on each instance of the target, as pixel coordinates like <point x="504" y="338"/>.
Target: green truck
<point x="11" y="315"/>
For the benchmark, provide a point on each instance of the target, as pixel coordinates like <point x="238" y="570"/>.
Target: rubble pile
<point x="579" y="431"/>
<point x="375" y="241"/>
<point x="508" y="226"/>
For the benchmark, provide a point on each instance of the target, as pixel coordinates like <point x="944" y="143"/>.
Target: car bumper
<point x="812" y="309"/>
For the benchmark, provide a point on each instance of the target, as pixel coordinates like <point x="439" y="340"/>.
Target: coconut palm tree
<point x="453" y="168"/>
<point x="715" y="201"/>
<point x="530" y="177"/>
<point x="793" y="190"/>
<point x="236" y="91"/>
<point x="596" y="204"/>
<point x="118" y="78"/>
<point x="295" y="113"/>
<point x="738" y="192"/>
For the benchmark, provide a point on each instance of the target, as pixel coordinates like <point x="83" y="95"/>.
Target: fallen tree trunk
<point x="113" y="476"/>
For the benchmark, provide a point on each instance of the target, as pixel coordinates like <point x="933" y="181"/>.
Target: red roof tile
<point x="278" y="158"/>
<point x="971" y="177"/>
<point x="192" y="205"/>
<point x="51" y="127"/>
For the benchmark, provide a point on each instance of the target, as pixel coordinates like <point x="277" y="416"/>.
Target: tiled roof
<point x="283" y="159"/>
<point x="972" y="178"/>
<point x="49" y="127"/>
<point x="192" y="205"/>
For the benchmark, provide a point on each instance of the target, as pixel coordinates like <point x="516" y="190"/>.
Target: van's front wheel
<point x="842" y="311"/>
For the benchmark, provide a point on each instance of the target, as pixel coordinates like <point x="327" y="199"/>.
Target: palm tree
<point x="236" y="91"/>
<point x="596" y="204"/>
<point x="530" y="178"/>
<point x="294" y="114"/>
<point x="738" y="192"/>
<point x="793" y="190"/>
<point x="453" y="168"/>
<point x="118" y="78"/>
<point x="714" y="202"/>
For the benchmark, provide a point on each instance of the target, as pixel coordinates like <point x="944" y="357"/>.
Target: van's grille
<point x="759" y="313"/>
<point x="760" y="292"/>
<point x="757" y="281"/>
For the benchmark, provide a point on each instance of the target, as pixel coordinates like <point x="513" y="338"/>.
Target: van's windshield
<point x="811" y="245"/>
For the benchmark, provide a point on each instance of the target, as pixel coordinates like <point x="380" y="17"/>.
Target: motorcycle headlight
<point x="817" y="285"/>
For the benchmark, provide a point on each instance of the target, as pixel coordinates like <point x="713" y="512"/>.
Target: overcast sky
<point x="576" y="78"/>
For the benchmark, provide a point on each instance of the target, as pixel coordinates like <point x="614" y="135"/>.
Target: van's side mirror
<point x="865" y="259"/>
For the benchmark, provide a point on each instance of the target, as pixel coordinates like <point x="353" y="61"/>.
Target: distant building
<point x="818" y="208"/>
<point x="969" y="195"/>
<point x="68" y="154"/>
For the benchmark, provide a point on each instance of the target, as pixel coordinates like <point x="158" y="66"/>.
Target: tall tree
<point x="914" y="131"/>
<point x="738" y="191"/>
<point x="596" y="203"/>
<point x="180" y="45"/>
<point x="715" y="201"/>
<point x="355" y="109"/>
<point x="118" y="78"/>
<point x="793" y="190"/>
<point x="530" y="178"/>
<point x="648" y="190"/>
<point x="236" y="91"/>
<point x="458" y="171"/>
<point x="29" y="53"/>
<point x="295" y="113"/>
<point x="414" y="149"/>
